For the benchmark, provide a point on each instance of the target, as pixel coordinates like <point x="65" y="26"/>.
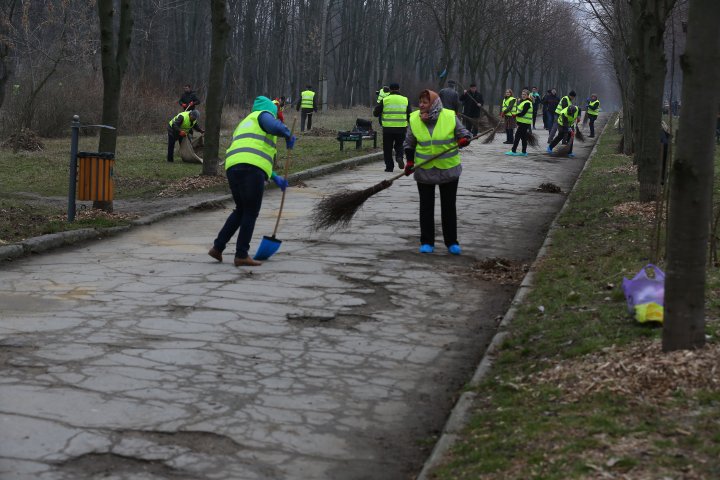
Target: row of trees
<point x="275" y="47"/>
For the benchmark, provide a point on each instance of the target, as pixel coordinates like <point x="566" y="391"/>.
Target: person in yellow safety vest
<point x="382" y="93"/>
<point x="394" y="112"/>
<point x="435" y="131"/>
<point x="306" y="106"/>
<point x="509" y="105"/>
<point x="567" y="119"/>
<point x="524" y="118"/>
<point x="179" y="127"/>
<point x="593" y="109"/>
<point x="565" y="102"/>
<point x="248" y="165"/>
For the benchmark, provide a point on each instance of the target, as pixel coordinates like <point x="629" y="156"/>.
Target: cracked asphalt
<point x="140" y="357"/>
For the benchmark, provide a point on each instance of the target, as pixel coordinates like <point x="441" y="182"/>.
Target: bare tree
<point x="216" y="86"/>
<point x="114" y="48"/>
<point x="691" y="187"/>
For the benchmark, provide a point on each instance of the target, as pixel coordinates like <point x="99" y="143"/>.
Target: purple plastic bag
<point x="643" y="289"/>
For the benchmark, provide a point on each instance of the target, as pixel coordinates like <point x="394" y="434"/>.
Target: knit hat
<point x="394" y="86"/>
<point x="195" y="114"/>
<point x="264" y="104"/>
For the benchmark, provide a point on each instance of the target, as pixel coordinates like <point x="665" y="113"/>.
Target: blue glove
<point x="290" y="143"/>
<point x="280" y="182"/>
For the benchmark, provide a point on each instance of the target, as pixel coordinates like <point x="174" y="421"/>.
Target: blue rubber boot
<point x="427" y="248"/>
<point x="454" y="249"/>
<point x="549" y="150"/>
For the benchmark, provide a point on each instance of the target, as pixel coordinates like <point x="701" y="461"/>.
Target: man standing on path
<point x="549" y="102"/>
<point x="472" y="102"/>
<point x="189" y="99"/>
<point x="306" y="106"/>
<point x="179" y="128"/>
<point x="593" y="109"/>
<point x="394" y="111"/>
<point x="450" y="98"/>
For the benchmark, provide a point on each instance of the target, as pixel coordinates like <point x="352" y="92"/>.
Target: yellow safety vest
<point x="394" y="112"/>
<point x="527" y="118"/>
<point x="593" y="107"/>
<point x="560" y="105"/>
<point x="441" y="140"/>
<point x="252" y="145"/>
<point x="187" y="123"/>
<point x="307" y="99"/>
<point x="567" y="120"/>
<point x="509" y="106"/>
<point x="381" y="95"/>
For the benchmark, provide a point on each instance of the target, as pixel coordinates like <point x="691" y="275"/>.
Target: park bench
<point x="361" y="131"/>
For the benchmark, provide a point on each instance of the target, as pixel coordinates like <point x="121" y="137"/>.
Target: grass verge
<point x="579" y="389"/>
<point x="34" y="185"/>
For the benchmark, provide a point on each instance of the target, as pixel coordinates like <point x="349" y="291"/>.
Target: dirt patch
<point x="95" y="214"/>
<point x="188" y="184"/>
<point x="320" y="132"/>
<point x="646" y="211"/>
<point x="501" y="271"/>
<point x="642" y="372"/>
<point x="25" y="140"/>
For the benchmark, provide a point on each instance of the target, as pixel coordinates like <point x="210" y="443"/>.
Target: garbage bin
<point x="94" y="177"/>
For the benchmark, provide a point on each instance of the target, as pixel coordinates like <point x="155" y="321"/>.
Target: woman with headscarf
<point x="508" y="110"/>
<point x="436" y="131"/>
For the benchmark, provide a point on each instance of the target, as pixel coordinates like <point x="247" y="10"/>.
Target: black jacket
<point x="188" y="97"/>
<point x="470" y="101"/>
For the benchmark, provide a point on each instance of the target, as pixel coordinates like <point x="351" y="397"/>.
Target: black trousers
<point x="564" y="135"/>
<point x="393" y="141"/>
<point x="448" y="213"/>
<point x="521" y="134"/>
<point x="172" y="138"/>
<point x="591" y="120"/>
<point x="472" y="124"/>
<point x="305" y="115"/>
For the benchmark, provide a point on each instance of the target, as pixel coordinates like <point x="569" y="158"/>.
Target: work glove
<point x="463" y="142"/>
<point x="409" y="168"/>
<point x="280" y="181"/>
<point x="184" y="105"/>
<point x="183" y="133"/>
<point x="290" y="142"/>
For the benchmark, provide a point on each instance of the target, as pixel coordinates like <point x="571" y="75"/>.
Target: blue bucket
<point x="268" y="246"/>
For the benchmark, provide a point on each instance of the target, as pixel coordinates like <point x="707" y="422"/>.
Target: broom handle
<point x="285" y="174"/>
<point x="435" y="157"/>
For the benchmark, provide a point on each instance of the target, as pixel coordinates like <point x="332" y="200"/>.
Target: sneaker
<point x="454" y="249"/>
<point x="216" y="254"/>
<point x="549" y="150"/>
<point x="425" y="248"/>
<point x="571" y="155"/>
<point x="246" y="262"/>
<point x="507" y="143"/>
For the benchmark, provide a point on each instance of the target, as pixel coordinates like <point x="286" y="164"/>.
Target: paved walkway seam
<point x="462" y="411"/>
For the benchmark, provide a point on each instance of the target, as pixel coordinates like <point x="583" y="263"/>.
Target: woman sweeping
<point x="248" y="166"/>
<point x="508" y="110"/>
<point x="434" y="130"/>
<point x="524" y="117"/>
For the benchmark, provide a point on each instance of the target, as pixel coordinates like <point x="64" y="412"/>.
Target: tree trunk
<point x="690" y="208"/>
<point x="114" y="54"/>
<point x="216" y="87"/>
<point x="648" y="64"/>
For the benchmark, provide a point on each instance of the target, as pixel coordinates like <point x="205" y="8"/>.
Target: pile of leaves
<point x="500" y="270"/>
<point x="25" y="140"/>
<point x="641" y="372"/>
<point x="96" y="214"/>
<point x="645" y="211"/>
<point x="320" y="132"/>
<point x="629" y="169"/>
<point x="197" y="182"/>
<point x="549" y="188"/>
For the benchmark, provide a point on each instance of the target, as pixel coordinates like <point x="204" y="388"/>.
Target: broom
<point x="586" y="120"/>
<point x="339" y="208"/>
<point x="579" y="134"/>
<point x="532" y="140"/>
<point x="565" y="149"/>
